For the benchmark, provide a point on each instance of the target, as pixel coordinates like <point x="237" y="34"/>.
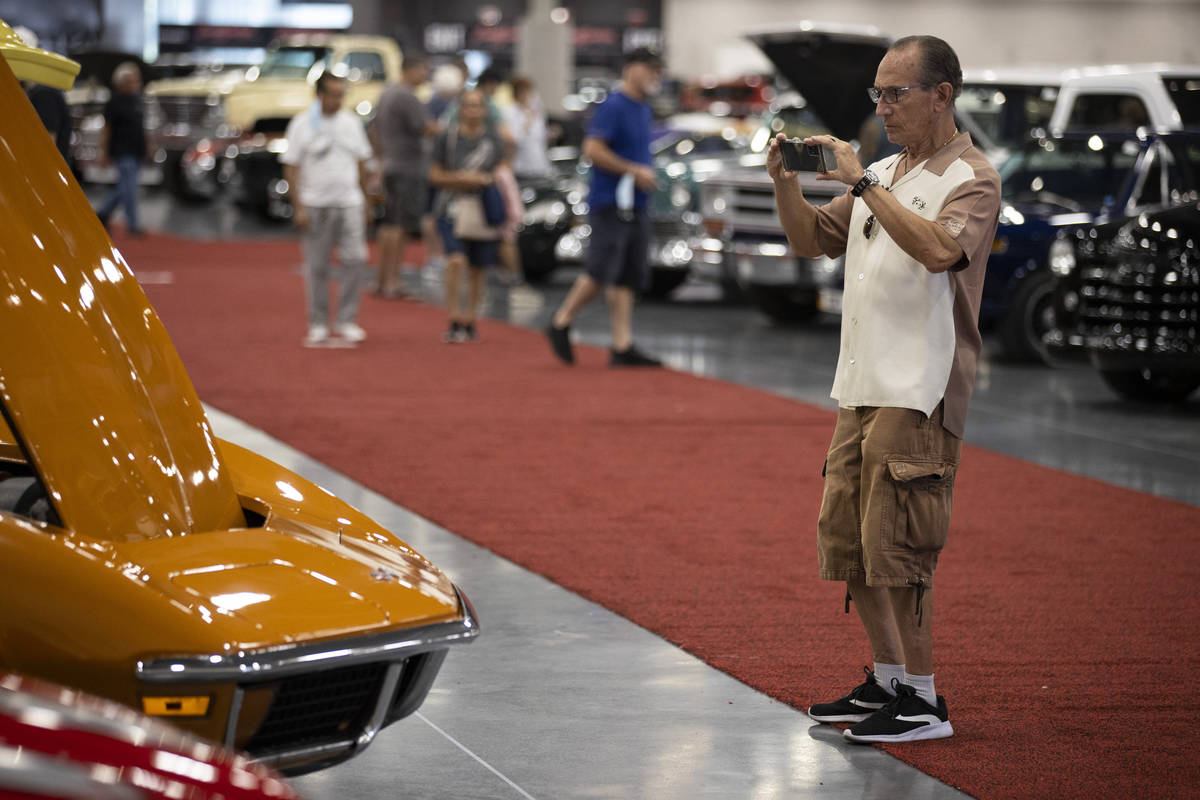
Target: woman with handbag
<point x="469" y="209"/>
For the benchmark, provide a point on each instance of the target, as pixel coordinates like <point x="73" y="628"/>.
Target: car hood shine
<point x="91" y="387"/>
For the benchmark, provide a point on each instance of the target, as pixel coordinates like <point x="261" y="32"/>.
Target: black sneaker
<point x="453" y="334"/>
<point x="467" y="333"/>
<point x="907" y="718"/>
<point x="863" y="701"/>
<point x="560" y="342"/>
<point x="631" y="358"/>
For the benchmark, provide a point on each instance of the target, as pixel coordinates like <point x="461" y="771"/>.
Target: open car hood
<point x="91" y="387"/>
<point x="831" y="65"/>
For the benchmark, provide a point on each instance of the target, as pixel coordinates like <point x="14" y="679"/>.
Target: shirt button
<point x="861" y="276"/>
<point x="852" y="361"/>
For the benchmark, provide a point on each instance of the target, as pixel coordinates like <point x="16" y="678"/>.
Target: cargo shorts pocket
<point x="922" y="496"/>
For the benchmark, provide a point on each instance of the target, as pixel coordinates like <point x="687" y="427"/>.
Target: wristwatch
<point x="868" y="179"/>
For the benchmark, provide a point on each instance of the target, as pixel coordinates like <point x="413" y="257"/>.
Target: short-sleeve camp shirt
<point x="910" y="337"/>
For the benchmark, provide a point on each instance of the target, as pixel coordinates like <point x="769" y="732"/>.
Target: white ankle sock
<point x="884" y="674"/>
<point x="924" y="686"/>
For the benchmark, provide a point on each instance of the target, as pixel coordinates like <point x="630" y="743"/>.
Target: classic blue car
<point x="1054" y="185"/>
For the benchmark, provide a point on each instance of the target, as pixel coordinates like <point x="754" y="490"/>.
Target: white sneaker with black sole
<point x="907" y="718"/>
<point x="863" y="701"/>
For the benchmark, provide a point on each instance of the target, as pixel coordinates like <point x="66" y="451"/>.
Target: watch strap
<point x="868" y="179"/>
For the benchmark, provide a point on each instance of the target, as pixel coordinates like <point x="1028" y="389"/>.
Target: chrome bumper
<point x="766" y="263"/>
<point x="412" y="657"/>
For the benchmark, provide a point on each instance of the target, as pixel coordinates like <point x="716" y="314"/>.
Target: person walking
<point x="123" y="144"/>
<point x="402" y="125"/>
<point x="526" y="120"/>
<point x="618" y="145"/>
<point x="465" y="157"/>
<point x="325" y="166"/>
<point x="916" y="229"/>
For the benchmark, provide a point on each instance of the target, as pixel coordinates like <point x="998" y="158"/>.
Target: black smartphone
<point x="801" y="157"/>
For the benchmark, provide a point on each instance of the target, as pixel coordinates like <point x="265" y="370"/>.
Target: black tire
<point x="1029" y="318"/>
<point x="663" y="281"/>
<point x="783" y="304"/>
<point x="1147" y="385"/>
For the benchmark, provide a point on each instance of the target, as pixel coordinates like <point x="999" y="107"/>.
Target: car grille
<point x="1141" y="307"/>
<point x="328" y="706"/>
<point x="182" y="109"/>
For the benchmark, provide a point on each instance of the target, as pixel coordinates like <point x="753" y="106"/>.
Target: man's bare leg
<point x="456" y="265"/>
<point x="915" y="630"/>
<point x="620" y="314"/>
<point x="476" y="282"/>
<point x="583" y="291"/>
<point x="876" y="610"/>
<point x="391" y="244"/>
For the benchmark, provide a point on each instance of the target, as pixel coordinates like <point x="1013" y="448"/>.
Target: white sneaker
<point x="352" y="333"/>
<point x="317" y="335"/>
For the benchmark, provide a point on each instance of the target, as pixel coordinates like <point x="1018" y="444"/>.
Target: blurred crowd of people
<point x="452" y="159"/>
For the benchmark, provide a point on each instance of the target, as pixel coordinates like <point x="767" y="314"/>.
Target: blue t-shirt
<point x="624" y="125"/>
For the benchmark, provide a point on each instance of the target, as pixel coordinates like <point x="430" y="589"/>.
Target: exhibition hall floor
<point x="562" y="698"/>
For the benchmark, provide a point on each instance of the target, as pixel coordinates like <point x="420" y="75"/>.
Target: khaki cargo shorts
<point x="889" y="488"/>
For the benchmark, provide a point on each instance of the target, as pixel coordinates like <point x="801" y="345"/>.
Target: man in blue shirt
<point x="618" y="145"/>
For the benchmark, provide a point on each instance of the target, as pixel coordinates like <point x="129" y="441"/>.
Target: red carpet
<point x="1067" y="609"/>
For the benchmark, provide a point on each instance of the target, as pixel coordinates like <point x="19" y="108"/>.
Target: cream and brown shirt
<point x="910" y="337"/>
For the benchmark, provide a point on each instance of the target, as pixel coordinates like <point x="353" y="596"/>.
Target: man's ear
<point x="944" y="93"/>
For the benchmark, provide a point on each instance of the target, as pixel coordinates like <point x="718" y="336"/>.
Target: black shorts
<point x="618" y="248"/>
<point x="406" y="196"/>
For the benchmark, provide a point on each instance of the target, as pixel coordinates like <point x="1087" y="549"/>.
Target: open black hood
<point x="831" y="65"/>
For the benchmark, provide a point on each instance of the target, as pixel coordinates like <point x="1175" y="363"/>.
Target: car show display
<point x="270" y="616"/>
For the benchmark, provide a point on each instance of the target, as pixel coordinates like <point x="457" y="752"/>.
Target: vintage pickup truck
<point x="196" y="119"/>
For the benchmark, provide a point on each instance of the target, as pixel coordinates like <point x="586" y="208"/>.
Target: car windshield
<point x="1077" y="174"/>
<point x="291" y="62"/>
<point x="1185" y="91"/>
<point x="1008" y="114"/>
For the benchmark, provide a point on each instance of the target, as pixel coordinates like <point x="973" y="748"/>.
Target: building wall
<point x="701" y="36"/>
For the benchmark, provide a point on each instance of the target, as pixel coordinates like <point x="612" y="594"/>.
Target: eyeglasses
<point x="868" y="226"/>
<point x="891" y="94"/>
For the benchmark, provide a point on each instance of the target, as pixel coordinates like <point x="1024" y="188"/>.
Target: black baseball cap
<point x="645" y="55"/>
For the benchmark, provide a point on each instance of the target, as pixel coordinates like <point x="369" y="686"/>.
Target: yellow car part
<point x="33" y="64"/>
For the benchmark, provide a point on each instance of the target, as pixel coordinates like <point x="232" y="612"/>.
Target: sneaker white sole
<point x="837" y="717"/>
<point x="941" y="730"/>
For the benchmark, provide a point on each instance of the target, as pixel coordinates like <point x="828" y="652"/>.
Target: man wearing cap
<point x="618" y="145"/>
<point x="916" y="229"/>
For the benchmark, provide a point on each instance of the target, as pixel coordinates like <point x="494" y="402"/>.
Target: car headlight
<point x="681" y="196"/>
<point x="214" y="110"/>
<point x="715" y="200"/>
<point x="1062" y="257"/>
<point x="546" y="212"/>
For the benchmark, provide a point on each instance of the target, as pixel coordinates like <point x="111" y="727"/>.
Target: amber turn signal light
<point x="175" y="706"/>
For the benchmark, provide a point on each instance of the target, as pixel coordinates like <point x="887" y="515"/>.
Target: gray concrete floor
<point x="562" y="699"/>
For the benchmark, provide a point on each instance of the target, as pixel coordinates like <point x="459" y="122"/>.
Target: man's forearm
<point x="291" y="174"/>
<point x="922" y="239"/>
<point x="602" y="157"/>
<point x="799" y="219"/>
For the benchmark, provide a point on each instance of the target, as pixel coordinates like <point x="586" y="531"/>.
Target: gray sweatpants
<point x="345" y="229"/>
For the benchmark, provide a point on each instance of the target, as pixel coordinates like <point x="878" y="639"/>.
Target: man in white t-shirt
<point x="325" y="166"/>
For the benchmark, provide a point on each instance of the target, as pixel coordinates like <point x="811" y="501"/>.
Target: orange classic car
<point x="143" y="559"/>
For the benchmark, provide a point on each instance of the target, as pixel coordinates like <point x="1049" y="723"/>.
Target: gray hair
<point x="125" y="70"/>
<point x="939" y="62"/>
